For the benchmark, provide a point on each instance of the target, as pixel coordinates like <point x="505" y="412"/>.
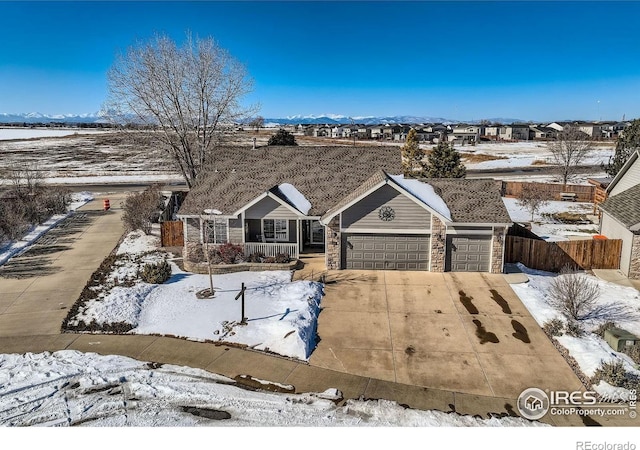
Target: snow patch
<point x="297" y="199"/>
<point x="425" y="193"/>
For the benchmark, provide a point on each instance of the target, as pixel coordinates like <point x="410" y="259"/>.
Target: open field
<point x="103" y="156"/>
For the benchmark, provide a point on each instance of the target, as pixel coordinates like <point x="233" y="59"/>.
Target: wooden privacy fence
<point x="553" y="256"/>
<point x="172" y="233"/>
<point x="584" y="193"/>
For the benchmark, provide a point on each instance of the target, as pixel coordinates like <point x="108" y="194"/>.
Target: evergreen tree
<point x="444" y="162"/>
<point x="282" y="137"/>
<point x="412" y="156"/>
<point x="628" y="142"/>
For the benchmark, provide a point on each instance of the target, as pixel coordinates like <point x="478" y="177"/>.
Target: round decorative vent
<point x="386" y="213"/>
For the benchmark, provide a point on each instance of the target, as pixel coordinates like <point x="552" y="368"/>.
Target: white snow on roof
<point x="424" y="192"/>
<point x="298" y="200"/>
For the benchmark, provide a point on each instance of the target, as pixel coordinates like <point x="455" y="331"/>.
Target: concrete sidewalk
<point x="38" y="287"/>
<point x="231" y="362"/>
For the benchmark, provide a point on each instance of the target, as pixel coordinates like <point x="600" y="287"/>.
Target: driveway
<point x="463" y="332"/>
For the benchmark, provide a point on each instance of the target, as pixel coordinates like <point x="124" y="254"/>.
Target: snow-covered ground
<point x="622" y="306"/>
<point x="548" y="228"/>
<point x="7" y="134"/>
<point x="69" y="388"/>
<point x="281" y="314"/>
<point x="523" y="154"/>
<point x="12" y="248"/>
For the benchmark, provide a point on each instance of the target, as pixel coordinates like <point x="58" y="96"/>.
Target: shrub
<point x="633" y="352"/>
<point x="282" y="258"/>
<point x="269" y="260"/>
<point x="554" y="327"/>
<point x="141" y="209"/>
<point x="615" y="374"/>
<point x="156" y="273"/>
<point x="604" y="327"/>
<point x="231" y="253"/>
<point x="573" y="294"/>
<point x="574" y="328"/>
<point x="256" y="257"/>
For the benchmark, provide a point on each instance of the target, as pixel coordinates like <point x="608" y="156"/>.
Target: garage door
<point x="468" y="253"/>
<point x="386" y="251"/>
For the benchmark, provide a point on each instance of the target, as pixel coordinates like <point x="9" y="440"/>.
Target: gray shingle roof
<point x="324" y="175"/>
<point x="472" y="200"/>
<point x="625" y="206"/>
<point x="329" y="177"/>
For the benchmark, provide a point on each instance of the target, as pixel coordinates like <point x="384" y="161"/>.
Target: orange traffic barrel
<point x="106" y="204"/>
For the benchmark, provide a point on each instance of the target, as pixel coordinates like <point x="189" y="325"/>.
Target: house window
<point x="276" y="229"/>
<point x="215" y="231"/>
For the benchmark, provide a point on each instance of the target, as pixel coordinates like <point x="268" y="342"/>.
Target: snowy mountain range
<point x="328" y="119"/>
<point x="36" y="117"/>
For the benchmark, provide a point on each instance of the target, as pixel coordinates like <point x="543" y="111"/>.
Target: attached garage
<point x="386" y="251"/>
<point x="468" y="253"/>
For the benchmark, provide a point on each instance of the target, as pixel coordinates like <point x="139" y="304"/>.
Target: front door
<point x="317" y="233"/>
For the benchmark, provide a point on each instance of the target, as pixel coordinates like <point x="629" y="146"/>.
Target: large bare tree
<point x="569" y="150"/>
<point x="189" y="94"/>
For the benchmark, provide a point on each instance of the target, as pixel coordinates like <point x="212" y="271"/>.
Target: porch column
<point x="438" y="244"/>
<point x="333" y="244"/>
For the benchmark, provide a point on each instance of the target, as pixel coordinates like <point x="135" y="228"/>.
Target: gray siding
<point x="629" y="180"/>
<point x="408" y="214"/>
<point x="268" y="208"/>
<point x="613" y="229"/>
<point x="235" y="231"/>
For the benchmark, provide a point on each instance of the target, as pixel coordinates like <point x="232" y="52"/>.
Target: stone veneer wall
<point x="333" y="246"/>
<point x="192" y="245"/>
<point x="497" y="249"/>
<point x="634" y="266"/>
<point x="438" y="243"/>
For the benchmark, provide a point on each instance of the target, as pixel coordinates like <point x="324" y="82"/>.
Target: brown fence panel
<point x="584" y="193"/>
<point x="172" y="233"/>
<point x="553" y="256"/>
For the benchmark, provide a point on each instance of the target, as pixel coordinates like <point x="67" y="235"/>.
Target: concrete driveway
<point x="463" y="332"/>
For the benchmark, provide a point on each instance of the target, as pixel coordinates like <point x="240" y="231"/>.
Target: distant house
<point x="542" y="132"/>
<point x="593" y="130"/>
<point x="621" y="214"/>
<point x="508" y="132"/>
<point x="349" y="202"/>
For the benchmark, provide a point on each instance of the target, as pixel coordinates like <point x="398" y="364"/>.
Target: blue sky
<point x="538" y="61"/>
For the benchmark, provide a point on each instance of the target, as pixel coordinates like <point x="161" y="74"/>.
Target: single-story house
<point x="620" y="217"/>
<point x="352" y="203"/>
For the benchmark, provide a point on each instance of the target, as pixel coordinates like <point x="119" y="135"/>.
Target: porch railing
<point x="271" y="249"/>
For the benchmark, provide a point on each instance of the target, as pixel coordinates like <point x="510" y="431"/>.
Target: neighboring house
<point x="621" y="215"/>
<point x="350" y="203"/>
<point x="542" y="132"/>
<point x="593" y="130"/>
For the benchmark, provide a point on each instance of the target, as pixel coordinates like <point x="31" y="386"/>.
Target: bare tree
<point x="257" y="123"/>
<point x="190" y="95"/>
<point x="533" y="197"/>
<point x="570" y="148"/>
<point x="573" y="294"/>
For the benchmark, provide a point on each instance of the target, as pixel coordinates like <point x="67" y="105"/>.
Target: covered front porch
<point x="289" y="236"/>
